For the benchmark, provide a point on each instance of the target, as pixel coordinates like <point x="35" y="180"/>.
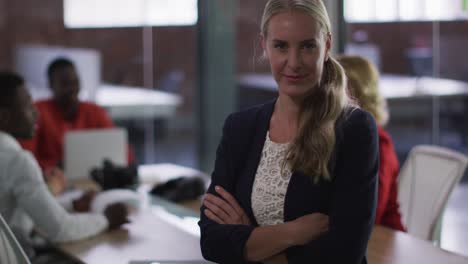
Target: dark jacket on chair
<point x="349" y="199"/>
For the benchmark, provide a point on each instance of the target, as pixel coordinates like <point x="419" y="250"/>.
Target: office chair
<point x="426" y="181"/>
<point x="11" y="251"/>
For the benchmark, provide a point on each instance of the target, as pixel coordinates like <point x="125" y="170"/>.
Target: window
<point x="404" y="10"/>
<point x="129" y="13"/>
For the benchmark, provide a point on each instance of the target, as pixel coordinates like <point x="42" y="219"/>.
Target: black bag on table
<point x="111" y="176"/>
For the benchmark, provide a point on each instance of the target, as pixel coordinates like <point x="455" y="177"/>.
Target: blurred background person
<point x="25" y="201"/>
<point x="363" y="79"/>
<point x="62" y="113"/>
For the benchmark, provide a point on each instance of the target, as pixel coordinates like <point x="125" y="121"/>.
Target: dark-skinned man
<point x="24" y="196"/>
<point x="59" y="114"/>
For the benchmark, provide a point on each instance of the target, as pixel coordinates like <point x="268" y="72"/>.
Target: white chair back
<point x="426" y="181"/>
<point x="10" y="250"/>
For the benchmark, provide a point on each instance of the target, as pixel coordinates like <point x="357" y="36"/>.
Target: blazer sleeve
<point x="353" y="202"/>
<point x="223" y="243"/>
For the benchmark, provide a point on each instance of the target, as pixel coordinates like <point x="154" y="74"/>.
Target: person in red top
<point x="61" y="113"/>
<point x="363" y="86"/>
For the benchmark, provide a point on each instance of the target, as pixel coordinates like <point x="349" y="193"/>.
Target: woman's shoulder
<point x="355" y="123"/>
<point x="355" y="117"/>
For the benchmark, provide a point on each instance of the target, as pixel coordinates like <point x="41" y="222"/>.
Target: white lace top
<point x="270" y="186"/>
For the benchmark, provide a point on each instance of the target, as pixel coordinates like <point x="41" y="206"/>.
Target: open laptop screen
<point x="86" y="149"/>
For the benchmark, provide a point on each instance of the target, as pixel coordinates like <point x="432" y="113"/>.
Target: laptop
<point x="87" y="149"/>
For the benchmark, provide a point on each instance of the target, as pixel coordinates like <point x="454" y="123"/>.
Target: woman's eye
<point x="280" y="46"/>
<point x="309" y="46"/>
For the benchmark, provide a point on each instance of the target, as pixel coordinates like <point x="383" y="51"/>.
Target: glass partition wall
<point x="420" y="48"/>
<point x="135" y="45"/>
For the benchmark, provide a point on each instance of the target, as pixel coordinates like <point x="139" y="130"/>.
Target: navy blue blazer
<point x="349" y="199"/>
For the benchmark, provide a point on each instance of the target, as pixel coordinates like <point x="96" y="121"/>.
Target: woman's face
<point x="296" y="48"/>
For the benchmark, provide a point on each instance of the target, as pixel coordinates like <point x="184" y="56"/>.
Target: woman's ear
<point x="328" y="45"/>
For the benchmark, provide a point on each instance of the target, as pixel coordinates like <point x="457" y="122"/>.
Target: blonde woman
<point x="295" y="179"/>
<point x="363" y="80"/>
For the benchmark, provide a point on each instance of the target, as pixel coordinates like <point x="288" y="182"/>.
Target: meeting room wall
<point x="41" y="22"/>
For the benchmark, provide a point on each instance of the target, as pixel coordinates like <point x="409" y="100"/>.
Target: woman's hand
<point x="224" y="210"/>
<point x="308" y="227"/>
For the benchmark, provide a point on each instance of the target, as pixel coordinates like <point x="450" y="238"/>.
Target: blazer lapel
<point x="259" y="136"/>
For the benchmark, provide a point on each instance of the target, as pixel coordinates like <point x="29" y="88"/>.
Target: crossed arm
<point x="267" y="243"/>
<point x="225" y="238"/>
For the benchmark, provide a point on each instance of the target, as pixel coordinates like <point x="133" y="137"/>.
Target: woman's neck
<point x="284" y="121"/>
<point x="287" y="109"/>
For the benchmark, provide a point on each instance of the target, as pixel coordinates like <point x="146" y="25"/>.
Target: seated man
<point x="24" y="197"/>
<point x="63" y="112"/>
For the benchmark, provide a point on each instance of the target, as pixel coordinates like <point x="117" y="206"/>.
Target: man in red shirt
<point x="62" y="113"/>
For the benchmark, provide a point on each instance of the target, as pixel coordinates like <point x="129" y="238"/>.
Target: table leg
<point x="149" y="141"/>
<point x="435" y="120"/>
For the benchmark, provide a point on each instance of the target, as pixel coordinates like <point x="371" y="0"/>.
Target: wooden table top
<point x="147" y="237"/>
<point x="165" y="231"/>
<point x="155" y="234"/>
<point x="387" y="246"/>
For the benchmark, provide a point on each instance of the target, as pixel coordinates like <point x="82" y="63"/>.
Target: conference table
<point x="391" y="86"/>
<point x="128" y="102"/>
<point x="136" y="103"/>
<point x="168" y="233"/>
<point x="162" y="230"/>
